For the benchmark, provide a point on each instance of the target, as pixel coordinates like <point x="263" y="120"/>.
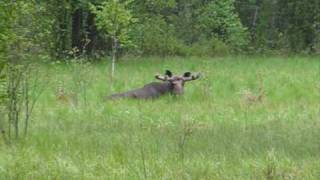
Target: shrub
<point x="156" y="37"/>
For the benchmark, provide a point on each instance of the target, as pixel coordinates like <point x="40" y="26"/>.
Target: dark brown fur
<point x="171" y="84"/>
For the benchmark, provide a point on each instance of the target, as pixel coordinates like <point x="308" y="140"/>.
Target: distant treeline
<point x="62" y="28"/>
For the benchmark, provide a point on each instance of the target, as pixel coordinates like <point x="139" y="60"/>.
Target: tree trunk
<point x="77" y="30"/>
<point x="26" y="99"/>
<point x="92" y="33"/>
<point x="114" y="54"/>
<point x="254" y="22"/>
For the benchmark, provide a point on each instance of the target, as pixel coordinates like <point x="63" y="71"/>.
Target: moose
<point x="171" y="84"/>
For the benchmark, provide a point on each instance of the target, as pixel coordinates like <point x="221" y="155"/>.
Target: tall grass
<point x="212" y="132"/>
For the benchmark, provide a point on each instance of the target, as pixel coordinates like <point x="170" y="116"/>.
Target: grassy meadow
<point x="214" y="131"/>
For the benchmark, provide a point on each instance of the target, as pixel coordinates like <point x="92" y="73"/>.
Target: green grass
<point x="212" y="132"/>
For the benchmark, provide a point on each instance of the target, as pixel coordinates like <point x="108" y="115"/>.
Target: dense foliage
<point x="286" y="25"/>
<point x="176" y="27"/>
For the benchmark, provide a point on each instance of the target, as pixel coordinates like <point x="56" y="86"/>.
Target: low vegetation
<point x="245" y="118"/>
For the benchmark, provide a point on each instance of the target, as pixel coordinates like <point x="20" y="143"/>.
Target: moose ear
<point x="168" y="73"/>
<point x="187" y="74"/>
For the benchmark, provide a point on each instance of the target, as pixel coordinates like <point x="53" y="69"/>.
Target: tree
<point x="7" y="36"/>
<point x="115" y="20"/>
<point x="19" y="34"/>
<point x="218" y="19"/>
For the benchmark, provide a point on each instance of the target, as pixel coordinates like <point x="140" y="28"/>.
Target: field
<point x="216" y="130"/>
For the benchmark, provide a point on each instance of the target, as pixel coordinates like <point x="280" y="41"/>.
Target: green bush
<point x="156" y="37"/>
<point x="218" y="20"/>
<point x="209" y="48"/>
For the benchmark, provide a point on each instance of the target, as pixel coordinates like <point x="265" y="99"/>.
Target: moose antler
<point x="187" y="76"/>
<point x="167" y="76"/>
<point x="191" y="77"/>
<point x="162" y="78"/>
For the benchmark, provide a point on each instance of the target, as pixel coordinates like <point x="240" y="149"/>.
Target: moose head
<point x="177" y="82"/>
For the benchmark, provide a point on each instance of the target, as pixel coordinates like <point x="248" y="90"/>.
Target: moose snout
<point x="178" y="89"/>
